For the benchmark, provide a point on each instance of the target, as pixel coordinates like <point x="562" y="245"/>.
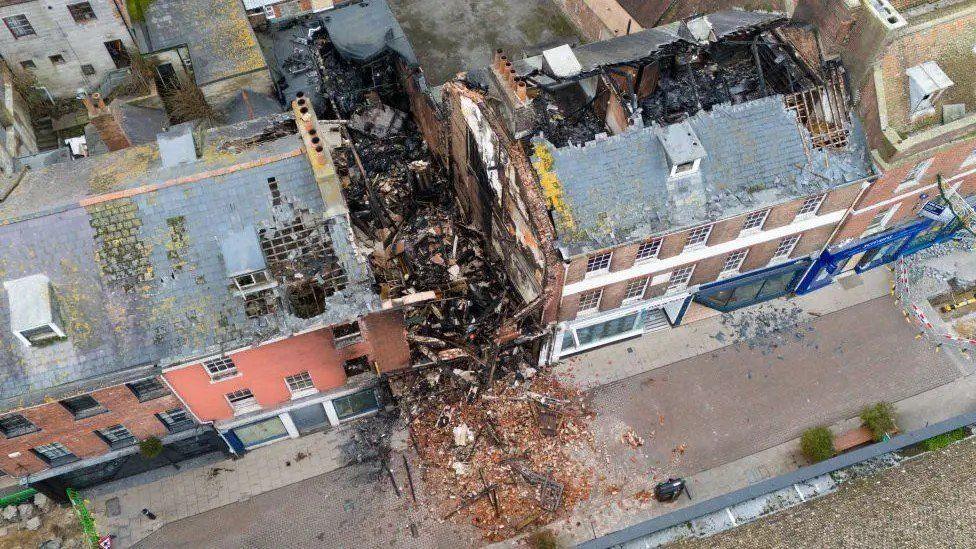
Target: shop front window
<point x="608" y="329"/>
<point x="355" y="404"/>
<point x="568" y="341"/>
<point x="261" y="432"/>
<point x="748" y="290"/>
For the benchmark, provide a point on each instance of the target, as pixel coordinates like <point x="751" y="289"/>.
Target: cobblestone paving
<point x="742" y="399"/>
<point x="926" y="502"/>
<point x="355" y="506"/>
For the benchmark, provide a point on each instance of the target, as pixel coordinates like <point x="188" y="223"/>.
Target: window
<point x="116" y="436"/>
<point x="649" y="249"/>
<point x="242" y="401"/>
<point x="220" y="367"/>
<point x="300" y="384"/>
<point x="880" y="220"/>
<point x="685" y="168"/>
<point x="40" y="335"/>
<point x="346" y="334"/>
<point x="15" y="425"/>
<point x="175" y="420"/>
<point x="698" y="236"/>
<point x="28" y="65"/>
<point x="148" y="389"/>
<point x="81" y="12"/>
<point x="914" y="176"/>
<point x="19" y="26"/>
<point x="83" y="406"/>
<point x="251" y="280"/>
<point x="57" y="59"/>
<point x="355" y="404"/>
<point x="88" y="70"/>
<point x="755" y="220"/>
<point x="970" y="160"/>
<point x="680" y="278"/>
<point x="635" y="289"/>
<point x="54" y="454"/>
<point x="786" y="246"/>
<point x="356" y="366"/>
<point x="810" y="206"/>
<point x="734" y="261"/>
<point x="590" y="301"/>
<point x="599" y="263"/>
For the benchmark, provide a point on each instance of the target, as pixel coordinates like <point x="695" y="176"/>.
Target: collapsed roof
<point x="142" y="258"/>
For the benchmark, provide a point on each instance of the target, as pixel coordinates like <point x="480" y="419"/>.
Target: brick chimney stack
<point x="106" y="122"/>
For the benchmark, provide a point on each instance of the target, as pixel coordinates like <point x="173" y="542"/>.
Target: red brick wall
<point x="263" y="369"/>
<point x="58" y="425"/>
<point x="946" y="162"/>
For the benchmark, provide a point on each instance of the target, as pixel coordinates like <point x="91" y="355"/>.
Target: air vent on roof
<point x="245" y="262"/>
<point x="887" y="14"/>
<point x="176" y="145"/>
<point x="34" y="317"/>
<point x="926" y="82"/>
<point x="561" y="61"/>
<point x="683" y="149"/>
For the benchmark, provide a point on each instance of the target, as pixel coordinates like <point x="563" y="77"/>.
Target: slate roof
<point x="216" y="32"/>
<point x="140" y="278"/>
<point x="615" y="190"/>
<point x="363" y="31"/>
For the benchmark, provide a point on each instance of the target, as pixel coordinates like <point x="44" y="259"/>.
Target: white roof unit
<point x="925" y="83"/>
<point x="561" y="61"/>
<point x="34" y="317"/>
<point x="681" y="143"/>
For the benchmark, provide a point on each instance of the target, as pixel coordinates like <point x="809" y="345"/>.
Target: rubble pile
<point x="767" y="327"/>
<point x="506" y="461"/>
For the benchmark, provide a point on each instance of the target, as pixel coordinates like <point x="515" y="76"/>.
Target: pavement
<point x="210" y="482"/>
<point x="450" y="36"/>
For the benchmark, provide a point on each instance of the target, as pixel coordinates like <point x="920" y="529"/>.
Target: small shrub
<point x="543" y="539"/>
<point x="879" y="419"/>
<point x="817" y="444"/>
<point x="150" y="447"/>
<point x="941" y="441"/>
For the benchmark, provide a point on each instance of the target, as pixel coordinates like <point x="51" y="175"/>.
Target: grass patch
<point x="939" y="442"/>
<point x="817" y="444"/>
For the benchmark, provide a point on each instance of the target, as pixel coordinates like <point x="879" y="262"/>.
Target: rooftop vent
<point x="701" y="29"/>
<point x="176" y="145"/>
<point x="682" y="147"/>
<point x="34" y="317"/>
<point x="887" y="14"/>
<point x="561" y="62"/>
<point x="244" y="261"/>
<point x="926" y="82"/>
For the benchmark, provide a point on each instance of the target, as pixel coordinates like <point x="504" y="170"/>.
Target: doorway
<point x="118" y="53"/>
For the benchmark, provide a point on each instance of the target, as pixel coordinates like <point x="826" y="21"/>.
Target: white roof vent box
<point x="682" y="147"/>
<point x="34" y="316"/>
<point x="926" y="82"/>
<point x="561" y="61"/>
<point x="245" y="261"/>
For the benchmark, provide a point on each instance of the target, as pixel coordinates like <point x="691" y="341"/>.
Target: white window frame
<point x="785" y="247"/>
<point x="915" y="175"/>
<point x="733" y="262"/>
<point x="686" y="271"/>
<point x="348" y="339"/>
<point x="299" y="378"/>
<point x="654" y="245"/>
<point x="598" y="259"/>
<point x="969" y="160"/>
<point x="810" y="207"/>
<point x="883" y="218"/>
<point x="700" y="235"/>
<point x="754" y="222"/>
<point x="590" y="310"/>
<point x="114" y="434"/>
<point x="222" y="373"/>
<point x="20" y="26"/>
<point x="678" y="172"/>
<point x="255" y="283"/>
<point x="632" y="284"/>
<point x="243" y="404"/>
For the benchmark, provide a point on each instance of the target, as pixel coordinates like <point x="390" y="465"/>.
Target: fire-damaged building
<point x="637" y="180"/>
<point x="210" y="277"/>
<point x="912" y="65"/>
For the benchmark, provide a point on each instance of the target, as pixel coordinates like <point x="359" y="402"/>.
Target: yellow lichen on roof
<point x="115" y="168"/>
<point x="231" y="33"/>
<point x="551" y="186"/>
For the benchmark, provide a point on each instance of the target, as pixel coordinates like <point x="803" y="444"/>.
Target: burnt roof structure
<point x="677" y="126"/>
<point x="138" y="256"/>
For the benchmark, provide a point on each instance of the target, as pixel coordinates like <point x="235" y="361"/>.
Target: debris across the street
<point x="496" y="467"/>
<point x="766" y="327"/>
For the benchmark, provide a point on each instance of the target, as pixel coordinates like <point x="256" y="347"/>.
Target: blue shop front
<point x="753" y="287"/>
<point x="876" y="250"/>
